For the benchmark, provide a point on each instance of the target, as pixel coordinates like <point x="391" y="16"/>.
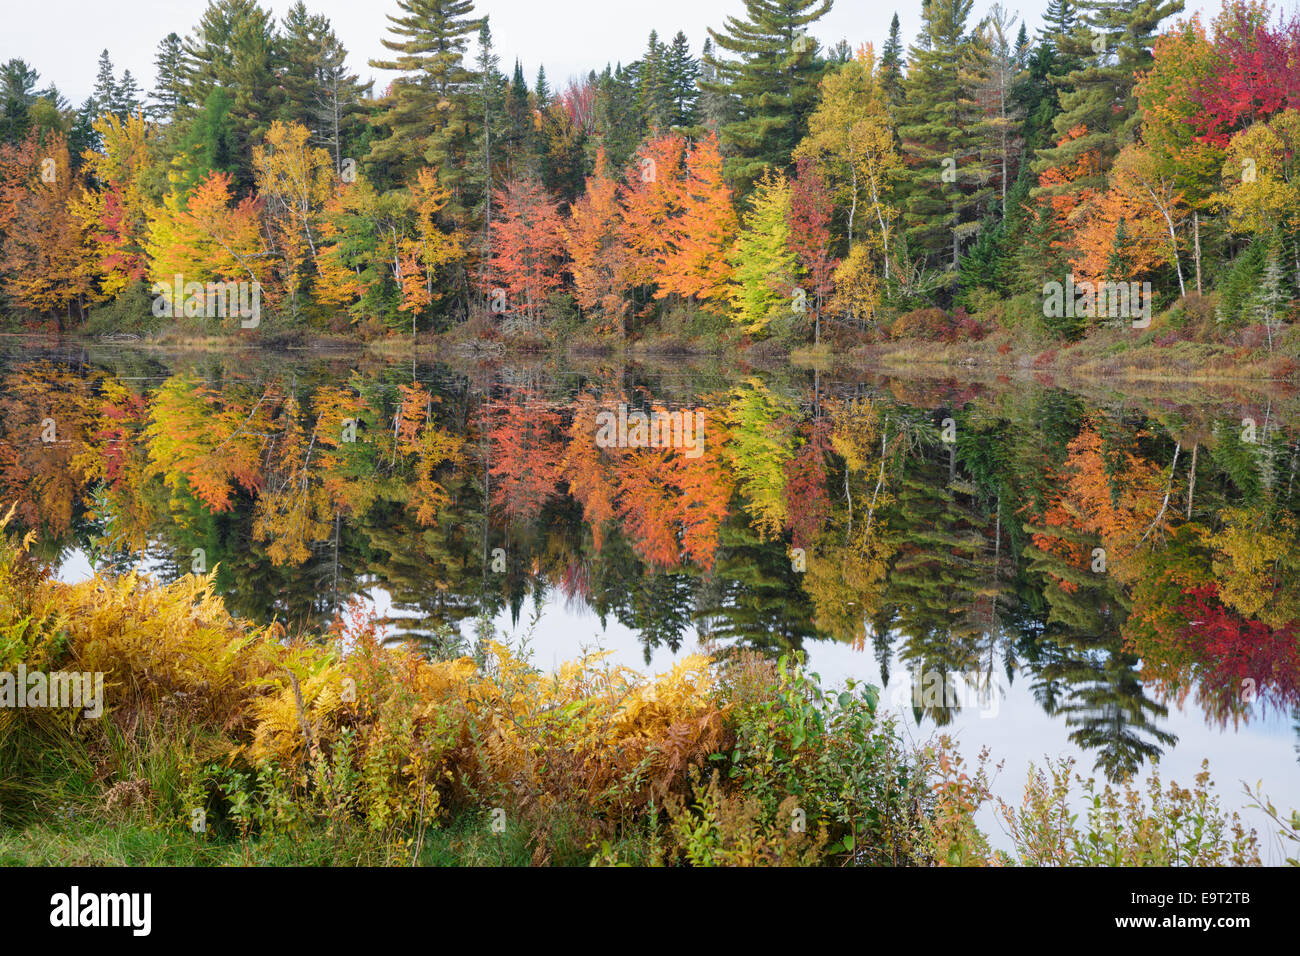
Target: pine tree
<point x="169" y="85"/>
<point x="426" y="113"/>
<point x="993" y="75"/>
<point x="774" y="80"/>
<point x="1059" y="21"/>
<point x="1112" y="43"/>
<point x="234" y="49"/>
<point x="948" y="178"/>
<point x="18" y="94"/>
<point x="319" y="92"/>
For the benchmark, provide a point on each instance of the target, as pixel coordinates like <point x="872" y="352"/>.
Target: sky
<point x="62" y="39"/>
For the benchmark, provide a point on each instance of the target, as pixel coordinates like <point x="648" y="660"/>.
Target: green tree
<point x="426" y="116"/>
<point x="1112" y="42"/>
<point x="948" y="181"/>
<point x="763" y="264"/>
<point x="773" y="80"/>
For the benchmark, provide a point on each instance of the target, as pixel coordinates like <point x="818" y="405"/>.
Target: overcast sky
<point x="62" y="38"/>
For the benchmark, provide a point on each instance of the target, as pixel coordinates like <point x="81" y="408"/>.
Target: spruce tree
<point x="126" y="101"/>
<point x="618" y="118"/>
<point x="105" y="92"/>
<point x="683" y="72"/>
<point x="774" y="80"/>
<point x="891" y="64"/>
<point x="655" y="94"/>
<point x="518" y="143"/>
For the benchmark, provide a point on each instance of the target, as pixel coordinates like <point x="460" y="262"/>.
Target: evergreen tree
<point x="683" y="72"/>
<point x="210" y="142"/>
<point x="169" y="85"/>
<point x="18" y="94"/>
<point x="1112" y="41"/>
<point x="891" y="64"/>
<point x="774" y="80"/>
<point x="319" y="92"/>
<point x="489" y="111"/>
<point x="1059" y="21"/>
<point x="426" y="116"/>
<point x="127" y="99"/>
<point x="948" y="178"/>
<point x="655" y="94"/>
<point x="993" y="75"/>
<point x="715" y="106"/>
<point x="618" y="119"/>
<point x="234" y="49"/>
<point x="104" y="93"/>
<point x="518" y="144"/>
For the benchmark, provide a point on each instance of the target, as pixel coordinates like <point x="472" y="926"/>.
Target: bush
<point x="928" y="324"/>
<point x="130" y="312"/>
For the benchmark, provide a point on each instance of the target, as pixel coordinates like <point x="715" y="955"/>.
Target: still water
<point x="1041" y="568"/>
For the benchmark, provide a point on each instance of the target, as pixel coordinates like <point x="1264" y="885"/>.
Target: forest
<point x="968" y="369"/>
<point x="775" y="190"/>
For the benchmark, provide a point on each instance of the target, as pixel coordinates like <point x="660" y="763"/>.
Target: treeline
<point x="773" y="186"/>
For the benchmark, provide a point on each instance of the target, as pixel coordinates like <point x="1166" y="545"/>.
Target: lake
<point x="1044" y="568"/>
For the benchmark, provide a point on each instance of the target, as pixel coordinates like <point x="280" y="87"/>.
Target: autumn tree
<point x="762" y="261"/>
<point x="592" y="240"/>
<point x="527" y="249"/>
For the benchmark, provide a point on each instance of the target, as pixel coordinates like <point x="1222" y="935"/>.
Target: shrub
<point x="929" y="324"/>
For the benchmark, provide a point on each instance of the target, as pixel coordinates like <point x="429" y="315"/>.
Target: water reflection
<point x="1113" y="554"/>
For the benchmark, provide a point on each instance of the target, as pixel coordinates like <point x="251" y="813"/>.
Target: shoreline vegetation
<point x="221" y="743"/>
<point x="1116" y="357"/>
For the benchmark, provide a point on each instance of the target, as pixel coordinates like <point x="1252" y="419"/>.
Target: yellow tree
<point x="428" y="247"/>
<point x="1261" y="176"/>
<point x="852" y="143"/>
<point x="294" y="182"/>
<point x="203" y="237"/>
<point x="116" y="214"/>
<point x="44" y="259"/>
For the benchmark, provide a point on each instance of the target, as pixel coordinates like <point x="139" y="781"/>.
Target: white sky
<point x="62" y="38"/>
